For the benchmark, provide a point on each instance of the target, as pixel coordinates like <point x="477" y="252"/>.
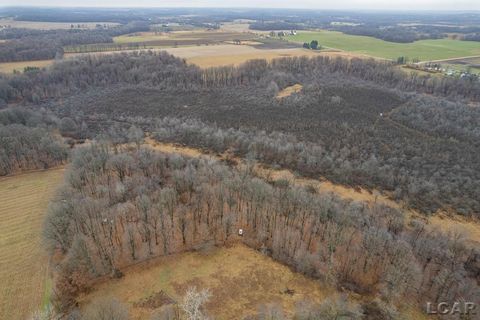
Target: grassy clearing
<point x="288" y="91"/>
<point x="23" y="273"/>
<point x="423" y="49"/>
<point x="240" y="279"/>
<point x="10" y="67"/>
<point x="467" y="228"/>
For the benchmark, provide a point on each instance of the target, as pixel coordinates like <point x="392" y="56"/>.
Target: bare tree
<point x="194" y="302"/>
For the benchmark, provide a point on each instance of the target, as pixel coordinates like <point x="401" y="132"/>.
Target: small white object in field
<point x="240" y="232"/>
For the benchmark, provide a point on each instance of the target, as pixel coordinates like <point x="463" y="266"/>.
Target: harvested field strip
<point x="23" y="263"/>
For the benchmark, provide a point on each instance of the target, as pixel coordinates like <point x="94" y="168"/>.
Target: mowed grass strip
<point x="424" y="50"/>
<point x="23" y="262"/>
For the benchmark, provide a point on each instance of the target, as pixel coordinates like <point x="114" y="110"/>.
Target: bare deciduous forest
<point x="122" y="206"/>
<point x="357" y="122"/>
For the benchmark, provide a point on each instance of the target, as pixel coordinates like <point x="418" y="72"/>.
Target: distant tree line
<point x="133" y="69"/>
<point x="275" y="25"/>
<point x="471" y="37"/>
<point x="30" y="44"/>
<point x="389" y="33"/>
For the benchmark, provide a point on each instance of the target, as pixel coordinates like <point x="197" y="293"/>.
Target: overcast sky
<point x="318" y="4"/>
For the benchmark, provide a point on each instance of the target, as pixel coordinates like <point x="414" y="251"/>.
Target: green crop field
<point x="423" y="50"/>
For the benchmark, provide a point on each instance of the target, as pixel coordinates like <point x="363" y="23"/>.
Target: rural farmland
<point x="24" y="263"/>
<point x="193" y="163"/>
<point x="203" y="56"/>
<point x="424" y="50"/>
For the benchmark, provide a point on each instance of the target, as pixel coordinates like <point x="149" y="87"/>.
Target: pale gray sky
<point x="319" y="4"/>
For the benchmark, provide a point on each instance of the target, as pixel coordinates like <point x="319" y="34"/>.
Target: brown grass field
<point x="203" y="56"/>
<point x="9" y="67"/>
<point x="228" y="54"/>
<point x="23" y="261"/>
<point x="239" y="278"/>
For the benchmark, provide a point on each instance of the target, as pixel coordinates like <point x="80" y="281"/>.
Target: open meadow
<point x="19" y="66"/>
<point x="239" y="278"/>
<point x="423" y="49"/>
<point x="221" y="55"/>
<point x="203" y="56"/>
<point x="23" y="262"/>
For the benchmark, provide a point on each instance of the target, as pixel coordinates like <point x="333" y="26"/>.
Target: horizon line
<point x="235" y="8"/>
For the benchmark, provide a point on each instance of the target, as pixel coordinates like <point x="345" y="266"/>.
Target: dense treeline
<point x="343" y="161"/>
<point x="156" y="69"/>
<point x="471" y="37"/>
<point x="390" y="33"/>
<point x="27" y="141"/>
<point x="136" y="68"/>
<point x="277" y="25"/>
<point x="30" y="44"/>
<point x="122" y="206"/>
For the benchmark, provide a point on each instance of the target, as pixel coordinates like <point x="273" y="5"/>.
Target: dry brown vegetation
<point x="10" y="67"/>
<point x="288" y="91"/>
<point x="221" y="55"/>
<point x="240" y="279"/>
<point x="203" y="56"/>
<point x="24" y="263"/>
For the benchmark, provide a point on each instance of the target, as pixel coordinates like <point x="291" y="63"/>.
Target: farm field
<point x="198" y="35"/>
<point x="23" y="263"/>
<point x="203" y="56"/>
<point x="423" y="50"/>
<point x="51" y="25"/>
<point x="211" y="56"/>
<point x="10" y="67"/>
<point x="239" y="278"/>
